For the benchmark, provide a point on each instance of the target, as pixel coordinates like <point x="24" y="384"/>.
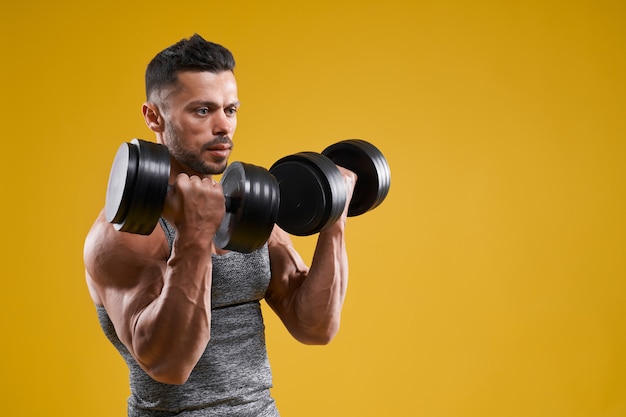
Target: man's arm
<point x="309" y="301"/>
<point x="159" y="304"/>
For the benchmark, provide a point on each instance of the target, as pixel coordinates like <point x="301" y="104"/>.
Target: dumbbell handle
<point x="231" y="203"/>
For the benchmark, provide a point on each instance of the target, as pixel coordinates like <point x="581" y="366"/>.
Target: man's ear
<point x="153" y="118"/>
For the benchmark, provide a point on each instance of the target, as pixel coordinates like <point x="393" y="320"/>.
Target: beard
<point x="191" y="159"/>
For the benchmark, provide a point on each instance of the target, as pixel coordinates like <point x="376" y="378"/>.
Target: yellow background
<point x="490" y="283"/>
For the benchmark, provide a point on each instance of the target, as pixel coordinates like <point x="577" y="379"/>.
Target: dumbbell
<point x="303" y="193"/>
<point x="138" y="184"/>
<point x="312" y="190"/>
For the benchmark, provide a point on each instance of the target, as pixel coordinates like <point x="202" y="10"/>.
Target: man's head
<point x="192" y="104"/>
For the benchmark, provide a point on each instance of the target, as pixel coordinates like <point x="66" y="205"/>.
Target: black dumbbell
<point x="138" y="184"/>
<point x="312" y="189"/>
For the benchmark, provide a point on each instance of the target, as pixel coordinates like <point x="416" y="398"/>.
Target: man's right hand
<point x="195" y="206"/>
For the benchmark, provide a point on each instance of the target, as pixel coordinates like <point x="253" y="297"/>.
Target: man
<point x="184" y="314"/>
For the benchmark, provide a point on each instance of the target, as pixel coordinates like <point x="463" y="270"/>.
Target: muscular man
<point x="185" y="315"/>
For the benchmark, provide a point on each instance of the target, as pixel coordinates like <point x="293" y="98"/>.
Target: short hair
<point x="192" y="54"/>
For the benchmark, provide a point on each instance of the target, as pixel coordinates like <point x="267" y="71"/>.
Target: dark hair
<point x="193" y="54"/>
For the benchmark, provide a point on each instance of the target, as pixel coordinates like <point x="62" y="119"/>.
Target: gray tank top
<point x="233" y="376"/>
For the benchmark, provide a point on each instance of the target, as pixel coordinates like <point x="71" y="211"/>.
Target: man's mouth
<point x="219" y="152"/>
<point x="220" y="148"/>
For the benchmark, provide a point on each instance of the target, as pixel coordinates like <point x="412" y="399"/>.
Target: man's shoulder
<point x="107" y="250"/>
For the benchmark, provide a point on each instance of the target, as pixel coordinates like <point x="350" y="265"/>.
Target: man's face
<point x="200" y="120"/>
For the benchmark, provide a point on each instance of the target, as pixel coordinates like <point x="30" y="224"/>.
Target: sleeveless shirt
<point x="233" y="376"/>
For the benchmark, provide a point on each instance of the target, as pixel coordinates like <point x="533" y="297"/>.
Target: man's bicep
<point x="288" y="273"/>
<point x="124" y="276"/>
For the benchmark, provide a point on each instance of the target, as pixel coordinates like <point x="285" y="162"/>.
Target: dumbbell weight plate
<point x="371" y="168"/>
<point x="253" y="200"/>
<point x="137" y="186"/>
<point x="121" y="183"/>
<point x="312" y="193"/>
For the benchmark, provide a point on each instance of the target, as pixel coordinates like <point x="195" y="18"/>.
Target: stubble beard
<point x="192" y="160"/>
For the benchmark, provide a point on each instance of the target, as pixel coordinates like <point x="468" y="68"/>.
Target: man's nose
<point x="223" y="125"/>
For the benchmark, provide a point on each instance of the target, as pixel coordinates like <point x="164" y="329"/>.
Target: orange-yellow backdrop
<point x="490" y="283"/>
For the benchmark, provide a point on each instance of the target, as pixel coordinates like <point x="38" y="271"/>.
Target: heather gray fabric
<point x="233" y="376"/>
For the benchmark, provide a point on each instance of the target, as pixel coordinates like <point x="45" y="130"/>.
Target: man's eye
<point x="231" y="111"/>
<point x="203" y="111"/>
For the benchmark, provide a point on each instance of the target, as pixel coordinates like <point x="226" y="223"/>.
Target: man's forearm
<point x="321" y="296"/>
<point x="172" y="332"/>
